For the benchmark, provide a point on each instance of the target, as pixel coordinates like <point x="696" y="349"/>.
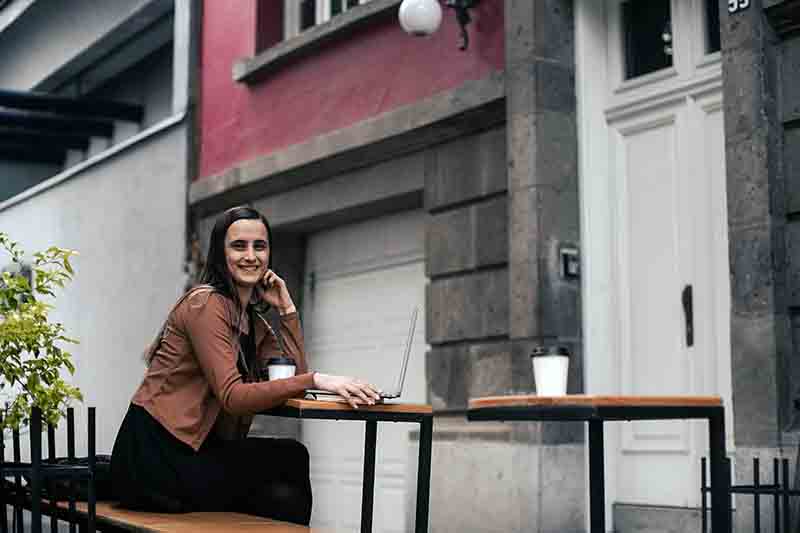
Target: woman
<point x="182" y="445"/>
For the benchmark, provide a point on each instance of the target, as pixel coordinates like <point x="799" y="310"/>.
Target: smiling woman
<point x="185" y="434"/>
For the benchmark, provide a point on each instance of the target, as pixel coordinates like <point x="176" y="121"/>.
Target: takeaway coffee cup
<point x="550" y="366"/>
<point x="280" y="367"/>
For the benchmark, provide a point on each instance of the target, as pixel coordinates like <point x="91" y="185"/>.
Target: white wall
<point x="126" y="217"/>
<point x="44" y="39"/>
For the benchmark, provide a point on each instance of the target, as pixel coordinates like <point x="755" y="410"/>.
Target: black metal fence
<point x="43" y="474"/>
<point x="774" y="496"/>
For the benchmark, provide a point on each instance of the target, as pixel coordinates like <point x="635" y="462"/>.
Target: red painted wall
<point x="372" y="71"/>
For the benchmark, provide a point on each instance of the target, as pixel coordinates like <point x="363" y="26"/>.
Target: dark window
<point x="308" y="14"/>
<point x="648" y="36"/>
<point x="712" y="26"/>
<point x="352" y="3"/>
<point x="336" y="7"/>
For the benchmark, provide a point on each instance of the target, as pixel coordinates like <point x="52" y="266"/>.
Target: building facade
<point x="653" y="140"/>
<point x="117" y="196"/>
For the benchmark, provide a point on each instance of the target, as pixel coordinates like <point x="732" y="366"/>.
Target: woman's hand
<point x="273" y="291"/>
<point x="353" y="390"/>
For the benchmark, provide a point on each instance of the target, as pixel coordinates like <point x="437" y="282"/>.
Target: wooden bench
<point x="114" y="519"/>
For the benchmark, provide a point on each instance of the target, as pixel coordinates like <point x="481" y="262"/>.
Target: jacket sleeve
<point x="210" y="331"/>
<point x="292" y="335"/>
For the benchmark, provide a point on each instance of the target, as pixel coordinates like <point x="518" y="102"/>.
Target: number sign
<point x="734" y="6"/>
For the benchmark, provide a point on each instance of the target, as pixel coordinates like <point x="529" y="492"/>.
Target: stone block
<point x="543" y="303"/>
<point x="540" y="86"/>
<point x="491" y="232"/>
<point x="743" y="91"/>
<point x="543" y="150"/>
<point x="752" y="276"/>
<point x="748" y="182"/>
<point x="563" y="482"/>
<point x="467" y="237"/>
<point x="543" y="29"/>
<point x="521" y="40"/>
<point x="743" y="31"/>
<point x="489" y="485"/>
<point x="521" y="150"/>
<point x="493" y="160"/>
<point x="555" y="86"/>
<point x="790" y="372"/>
<point x="791" y="168"/>
<point x="457" y="373"/>
<point x="448" y="372"/>
<point x="743" y="458"/>
<point x="630" y="518"/>
<point x="449" y="242"/>
<point x="790" y="80"/>
<point x="755" y="384"/>
<point x="465" y="169"/>
<point x="492" y="302"/>
<point x="554" y="31"/>
<point x="491" y="370"/>
<point x="557" y="150"/>
<point x="484" y="486"/>
<point x="469" y="307"/>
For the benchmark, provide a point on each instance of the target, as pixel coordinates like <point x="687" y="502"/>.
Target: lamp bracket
<point x="462" y="8"/>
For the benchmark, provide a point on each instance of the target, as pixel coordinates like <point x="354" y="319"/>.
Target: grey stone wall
<point x="502" y="205"/>
<point x="756" y="222"/>
<point x="761" y="56"/>
<point x="466" y="252"/>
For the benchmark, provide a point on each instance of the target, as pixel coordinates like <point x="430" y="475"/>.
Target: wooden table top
<point x="341" y="405"/>
<point x="584" y="400"/>
<point x="144" y="522"/>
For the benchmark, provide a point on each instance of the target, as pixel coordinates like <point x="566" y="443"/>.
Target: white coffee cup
<point x="280" y="367"/>
<point x="550" y="370"/>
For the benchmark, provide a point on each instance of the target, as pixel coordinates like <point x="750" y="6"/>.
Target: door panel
<point x="650" y="218"/>
<point x="367" y="279"/>
<point x="669" y="216"/>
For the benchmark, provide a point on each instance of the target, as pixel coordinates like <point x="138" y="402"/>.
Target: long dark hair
<point x="215" y="272"/>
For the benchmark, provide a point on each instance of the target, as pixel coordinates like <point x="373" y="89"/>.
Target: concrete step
<point x="630" y="518"/>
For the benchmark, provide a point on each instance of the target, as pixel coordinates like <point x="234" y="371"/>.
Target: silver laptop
<point x="398" y="387"/>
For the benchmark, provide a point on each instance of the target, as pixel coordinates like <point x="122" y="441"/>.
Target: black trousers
<point x="153" y="471"/>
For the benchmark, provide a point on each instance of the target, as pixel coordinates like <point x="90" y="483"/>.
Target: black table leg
<point x="424" y="474"/>
<point x="368" y="491"/>
<point x="720" y="478"/>
<point x="597" y="489"/>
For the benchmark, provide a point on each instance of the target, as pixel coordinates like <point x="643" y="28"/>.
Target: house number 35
<point x="734" y="6"/>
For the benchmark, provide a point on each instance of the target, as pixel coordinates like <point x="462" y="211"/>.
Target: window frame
<point x="291" y="15"/>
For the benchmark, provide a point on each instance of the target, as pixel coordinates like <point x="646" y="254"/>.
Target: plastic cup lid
<point x="280" y="361"/>
<point x="549" y="350"/>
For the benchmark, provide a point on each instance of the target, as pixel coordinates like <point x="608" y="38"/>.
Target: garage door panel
<point x="365" y="280"/>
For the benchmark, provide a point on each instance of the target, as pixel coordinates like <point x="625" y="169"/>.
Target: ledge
<point x="474" y="106"/>
<point x="251" y="69"/>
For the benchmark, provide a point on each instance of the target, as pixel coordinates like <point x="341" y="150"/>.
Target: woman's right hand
<point x="353" y="390"/>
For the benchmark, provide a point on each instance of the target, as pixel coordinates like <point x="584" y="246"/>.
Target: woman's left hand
<point x="274" y="292"/>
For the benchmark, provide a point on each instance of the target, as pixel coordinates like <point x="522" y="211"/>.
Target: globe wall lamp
<point x="423" y="17"/>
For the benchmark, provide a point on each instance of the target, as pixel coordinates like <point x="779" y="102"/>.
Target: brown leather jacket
<point x="193" y="384"/>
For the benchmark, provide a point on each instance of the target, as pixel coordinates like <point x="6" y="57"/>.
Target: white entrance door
<point x="363" y="281"/>
<point x="654" y="223"/>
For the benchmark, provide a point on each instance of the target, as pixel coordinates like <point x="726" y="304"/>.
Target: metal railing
<point x="778" y="494"/>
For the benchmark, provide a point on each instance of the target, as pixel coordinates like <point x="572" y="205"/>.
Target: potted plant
<point x="32" y="356"/>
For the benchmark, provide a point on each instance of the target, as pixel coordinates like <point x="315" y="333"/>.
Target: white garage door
<point x="362" y="282"/>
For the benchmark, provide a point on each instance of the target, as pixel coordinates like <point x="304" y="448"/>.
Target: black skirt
<point x="153" y="471"/>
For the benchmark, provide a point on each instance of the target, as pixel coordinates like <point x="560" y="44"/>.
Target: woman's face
<point x="247" y="251"/>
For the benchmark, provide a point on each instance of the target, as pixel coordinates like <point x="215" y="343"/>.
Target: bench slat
<point x="142" y="522"/>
